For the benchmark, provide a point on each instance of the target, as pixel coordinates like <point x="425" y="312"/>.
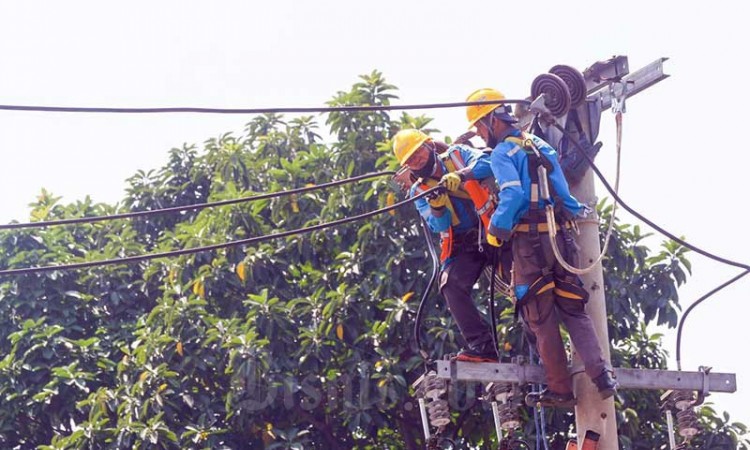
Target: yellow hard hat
<point x="476" y="112"/>
<point x="406" y="142"/>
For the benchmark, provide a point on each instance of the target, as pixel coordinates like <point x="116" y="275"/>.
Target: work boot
<point x="550" y="399"/>
<point x="606" y="385"/>
<point x="482" y="353"/>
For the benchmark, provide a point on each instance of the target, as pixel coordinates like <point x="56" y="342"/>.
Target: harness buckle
<point x="479" y="237"/>
<point x="574" y="227"/>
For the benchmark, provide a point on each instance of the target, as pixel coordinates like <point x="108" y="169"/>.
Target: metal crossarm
<point x="635" y="82"/>
<point x="628" y="378"/>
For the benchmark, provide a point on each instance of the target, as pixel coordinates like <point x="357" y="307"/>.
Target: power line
<point x="661" y="230"/>
<point x="197" y="206"/>
<point x="322" y="110"/>
<point x="328" y="109"/>
<point x="253" y="240"/>
<point x="682" y="242"/>
<point x="693" y="305"/>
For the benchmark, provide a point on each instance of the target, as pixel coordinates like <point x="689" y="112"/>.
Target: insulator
<point x="499" y="392"/>
<point x="439" y="412"/>
<point x="556" y="93"/>
<point x="510" y="419"/>
<point x="575" y="81"/>
<point x="419" y="392"/>
<point x="683" y="400"/>
<point x="687" y="423"/>
<point x="434" y="387"/>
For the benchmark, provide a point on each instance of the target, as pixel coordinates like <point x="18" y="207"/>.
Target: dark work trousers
<point x="456" y="282"/>
<point x="544" y="312"/>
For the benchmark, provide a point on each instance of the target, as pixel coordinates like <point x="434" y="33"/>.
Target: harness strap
<point x="469" y="190"/>
<point x="446" y="244"/>
<point x="541" y="227"/>
<point x="455" y="159"/>
<point x="541" y="285"/>
<point x="571" y="287"/>
<point x="483" y="199"/>
<point x="535" y="159"/>
<point x="534" y="227"/>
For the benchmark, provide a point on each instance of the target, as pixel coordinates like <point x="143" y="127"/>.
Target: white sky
<point x="677" y="171"/>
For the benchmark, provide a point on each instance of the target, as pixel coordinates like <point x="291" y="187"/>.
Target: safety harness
<point x="534" y="223"/>
<point x="480" y="194"/>
<point x="484" y="200"/>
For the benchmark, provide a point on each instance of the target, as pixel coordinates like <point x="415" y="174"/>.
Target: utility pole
<point x="593" y="413"/>
<point x="607" y="83"/>
<point x="612" y="77"/>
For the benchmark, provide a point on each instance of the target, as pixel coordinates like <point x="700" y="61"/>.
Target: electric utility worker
<point x="457" y="216"/>
<point x="546" y="293"/>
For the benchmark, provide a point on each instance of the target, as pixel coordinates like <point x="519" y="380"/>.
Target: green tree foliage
<point x="298" y="342"/>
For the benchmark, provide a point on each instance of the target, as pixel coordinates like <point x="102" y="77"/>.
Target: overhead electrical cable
<point x="682" y="242"/>
<point x="661" y="230"/>
<point x="323" y="109"/>
<point x="357" y="109"/>
<point x="197" y="206"/>
<point x="186" y="251"/>
<point x="425" y="295"/>
<point x="693" y="305"/>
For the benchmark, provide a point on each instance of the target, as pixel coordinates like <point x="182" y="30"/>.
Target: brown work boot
<point x="484" y="353"/>
<point x="550" y="399"/>
<point x="606" y="385"/>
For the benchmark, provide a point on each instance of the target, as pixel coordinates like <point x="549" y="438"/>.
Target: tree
<point x="297" y="342"/>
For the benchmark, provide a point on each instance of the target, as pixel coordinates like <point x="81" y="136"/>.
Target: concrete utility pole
<point x="593" y="413"/>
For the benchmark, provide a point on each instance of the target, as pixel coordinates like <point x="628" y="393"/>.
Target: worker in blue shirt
<point x="546" y="293"/>
<point x="453" y="214"/>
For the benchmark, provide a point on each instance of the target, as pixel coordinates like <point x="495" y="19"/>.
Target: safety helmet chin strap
<point x="494" y="136"/>
<point x="489" y="116"/>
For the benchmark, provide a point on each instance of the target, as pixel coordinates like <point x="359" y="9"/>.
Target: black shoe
<point x="549" y="399"/>
<point x="485" y="353"/>
<point x="606" y="385"/>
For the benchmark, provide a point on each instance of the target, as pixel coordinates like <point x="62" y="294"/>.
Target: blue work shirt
<point x="479" y="164"/>
<point x="510" y="165"/>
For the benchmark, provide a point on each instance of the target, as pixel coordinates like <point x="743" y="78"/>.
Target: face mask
<point x="429" y="166"/>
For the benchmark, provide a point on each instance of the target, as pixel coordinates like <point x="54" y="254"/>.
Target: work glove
<point x="493" y="241"/>
<point x="439" y="201"/>
<point x="451" y="181"/>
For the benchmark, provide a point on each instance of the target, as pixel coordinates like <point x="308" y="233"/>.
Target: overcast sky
<point x="678" y="170"/>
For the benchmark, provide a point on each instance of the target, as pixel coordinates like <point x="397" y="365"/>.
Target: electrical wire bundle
<point x="335" y="223"/>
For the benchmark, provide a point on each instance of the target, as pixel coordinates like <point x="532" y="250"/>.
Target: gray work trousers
<point x="456" y="283"/>
<point x="544" y="312"/>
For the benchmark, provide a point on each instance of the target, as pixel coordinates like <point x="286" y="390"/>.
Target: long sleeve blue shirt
<point x="510" y="165"/>
<point x="479" y="165"/>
